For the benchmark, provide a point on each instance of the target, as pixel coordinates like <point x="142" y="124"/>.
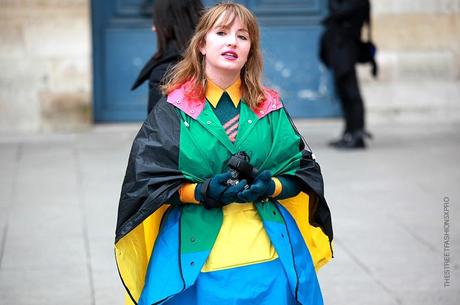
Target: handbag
<point x="367" y="51"/>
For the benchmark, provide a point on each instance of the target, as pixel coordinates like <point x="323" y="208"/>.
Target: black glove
<point x="215" y="193"/>
<point x="262" y="187"/>
<point x="230" y="194"/>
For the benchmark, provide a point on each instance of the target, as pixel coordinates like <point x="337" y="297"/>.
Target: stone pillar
<point x="45" y="60"/>
<point x="419" y="56"/>
<point x="418" y="39"/>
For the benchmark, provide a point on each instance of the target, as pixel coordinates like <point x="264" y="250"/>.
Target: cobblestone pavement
<point x="59" y="195"/>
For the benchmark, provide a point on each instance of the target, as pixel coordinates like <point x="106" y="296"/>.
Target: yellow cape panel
<point x="317" y="242"/>
<point x="132" y="253"/>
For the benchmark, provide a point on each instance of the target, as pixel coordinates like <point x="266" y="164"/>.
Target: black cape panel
<point x="311" y="182"/>
<point x="152" y="175"/>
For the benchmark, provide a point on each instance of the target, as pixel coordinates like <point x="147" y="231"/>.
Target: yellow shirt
<point x="242" y="239"/>
<point x="214" y="92"/>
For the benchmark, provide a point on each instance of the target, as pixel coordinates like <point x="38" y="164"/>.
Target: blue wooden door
<point x="123" y="42"/>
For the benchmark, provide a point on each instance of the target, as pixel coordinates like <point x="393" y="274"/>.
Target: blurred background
<point x="69" y="64"/>
<point x="68" y="117"/>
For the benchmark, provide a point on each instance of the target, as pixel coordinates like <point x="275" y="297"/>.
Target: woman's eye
<point x="242" y="37"/>
<point x="220" y="33"/>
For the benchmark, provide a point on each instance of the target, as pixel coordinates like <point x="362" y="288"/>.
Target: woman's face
<point x="226" y="48"/>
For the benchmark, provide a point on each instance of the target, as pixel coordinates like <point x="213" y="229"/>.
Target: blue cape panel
<point x="158" y="283"/>
<point x="261" y="284"/>
<point x="308" y="289"/>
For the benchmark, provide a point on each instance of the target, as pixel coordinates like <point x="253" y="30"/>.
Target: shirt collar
<point x="214" y="92"/>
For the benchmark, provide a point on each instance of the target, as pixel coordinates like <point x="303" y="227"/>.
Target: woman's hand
<point x="231" y="193"/>
<point x="217" y="186"/>
<point x="262" y="187"/>
<point x="215" y="192"/>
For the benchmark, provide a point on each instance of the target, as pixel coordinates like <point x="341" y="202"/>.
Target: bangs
<point x="227" y="16"/>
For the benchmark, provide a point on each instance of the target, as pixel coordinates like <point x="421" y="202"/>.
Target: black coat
<point x="340" y="40"/>
<point x="154" y="70"/>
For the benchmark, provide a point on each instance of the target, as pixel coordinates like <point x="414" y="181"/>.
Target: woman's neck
<point x="224" y="80"/>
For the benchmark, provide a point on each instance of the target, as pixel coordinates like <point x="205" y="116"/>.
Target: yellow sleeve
<point x="187" y="193"/>
<point x="278" y="187"/>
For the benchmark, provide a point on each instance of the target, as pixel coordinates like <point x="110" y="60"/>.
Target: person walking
<point x="174" y="22"/>
<point x="222" y="201"/>
<point x="340" y="51"/>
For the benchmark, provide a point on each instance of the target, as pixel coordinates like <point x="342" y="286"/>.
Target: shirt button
<point x="208" y="122"/>
<point x="192" y="111"/>
<point x="262" y="112"/>
<point x="250" y="121"/>
<point x="192" y="239"/>
<point x="273" y="106"/>
<point x="178" y="101"/>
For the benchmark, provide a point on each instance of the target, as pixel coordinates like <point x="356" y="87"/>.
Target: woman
<point x="340" y="52"/>
<point x="189" y="231"/>
<point x="174" y="22"/>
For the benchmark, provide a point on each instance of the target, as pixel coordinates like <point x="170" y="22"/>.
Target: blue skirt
<point x="263" y="284"/>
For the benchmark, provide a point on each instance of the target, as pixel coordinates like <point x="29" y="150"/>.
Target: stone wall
<point x="45" y="59"/>
<point x="419" y="56"/>
<point x="418" y="38"/>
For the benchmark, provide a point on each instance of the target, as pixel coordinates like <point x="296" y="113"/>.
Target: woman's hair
<point x="175" y="20"/>
<point x="191" y="68"/>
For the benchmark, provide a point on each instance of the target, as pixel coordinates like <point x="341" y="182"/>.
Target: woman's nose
<point x="231" y="40"/>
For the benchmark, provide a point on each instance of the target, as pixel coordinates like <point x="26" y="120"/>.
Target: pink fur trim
<point x="179" y="98"/>
<point x="271" y="103"/>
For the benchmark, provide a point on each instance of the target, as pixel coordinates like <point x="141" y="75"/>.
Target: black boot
<point x="351" y="140"/>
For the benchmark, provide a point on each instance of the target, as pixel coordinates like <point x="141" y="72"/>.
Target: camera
<point x="240" y="168"/>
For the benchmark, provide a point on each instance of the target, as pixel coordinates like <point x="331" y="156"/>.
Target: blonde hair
<point x="191" y="68"/>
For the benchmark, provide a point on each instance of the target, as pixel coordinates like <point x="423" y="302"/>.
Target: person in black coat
<point x="340" y="52"/>
<point x="174" y="22"/>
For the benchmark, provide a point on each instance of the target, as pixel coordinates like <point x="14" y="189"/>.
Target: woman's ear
<point x="202" y="48"/>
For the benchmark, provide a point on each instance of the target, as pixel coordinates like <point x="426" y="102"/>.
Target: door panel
<point x="122" y="43"/>
<point x="290" y="30"/>
<point x="292" y="67"/>
<point x="288" y="8"/>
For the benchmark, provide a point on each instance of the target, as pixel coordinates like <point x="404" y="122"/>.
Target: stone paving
<point x="59" y="195"/>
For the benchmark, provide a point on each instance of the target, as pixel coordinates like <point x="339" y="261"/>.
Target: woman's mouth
<point x="230" y="55"/>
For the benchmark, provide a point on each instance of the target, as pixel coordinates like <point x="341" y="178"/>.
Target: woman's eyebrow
<point x="226" y="27"/>
<point x="223" y="27"/>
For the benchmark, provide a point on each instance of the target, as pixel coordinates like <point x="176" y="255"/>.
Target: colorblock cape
<point x="183" y="141"/>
